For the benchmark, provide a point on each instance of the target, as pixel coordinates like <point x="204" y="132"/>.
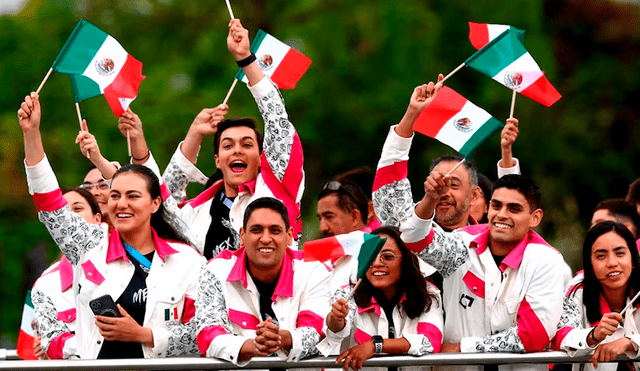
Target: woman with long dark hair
<point x="144" y="264"/>
<point x="593" y="319"/>
<point x="393" y="310"/>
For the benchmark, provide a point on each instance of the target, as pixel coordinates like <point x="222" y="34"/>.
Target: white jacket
<point x="228" y="307"/>
<point x="281" y="173"/>
<point x="101" y="267"/>
<point x="574" y="327"/>
<point x="55" y="310"/>
<point x="424" y="333"/>
<point x="512" y="308"/>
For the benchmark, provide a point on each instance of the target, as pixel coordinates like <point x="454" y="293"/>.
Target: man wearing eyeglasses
<point x="99" y="188"/>
<point x="342" y="208"/>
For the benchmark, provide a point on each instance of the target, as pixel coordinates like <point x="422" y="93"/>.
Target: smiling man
<point x="262" y="298"/>
<point x="249" y="171"/>
<point x="504" y="289"/>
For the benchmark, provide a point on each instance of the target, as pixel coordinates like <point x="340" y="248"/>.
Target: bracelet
<point x="591" y="333"/>
<point x="144" y="158"/>
<point x="247" y="61"/>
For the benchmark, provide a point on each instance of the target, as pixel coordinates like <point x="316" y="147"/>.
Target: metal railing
<point x="193" y="363"/>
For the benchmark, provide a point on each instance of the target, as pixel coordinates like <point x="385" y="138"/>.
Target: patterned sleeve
<point x="213" y="328"/>
<point x="392" y="197"/>
<point x="331" y="343"/>
<point x="572" y="331"/>
<point x="313" y="309"/>
<point x="70" y="231"/>
<point x="49" y="326"/>
<point x="446" y="252"/>
<point x="179" y="173"/>
<point x="282" y="157"/>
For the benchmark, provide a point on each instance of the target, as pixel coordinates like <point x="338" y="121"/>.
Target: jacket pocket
<point x="67" y="316"/>
<point x="244" y="320"/>
<point x="474" y="284"/>
<point x="91" y="273"/>
<point x="170" y="306"/>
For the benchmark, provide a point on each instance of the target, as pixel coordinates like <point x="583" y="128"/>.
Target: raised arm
<point x="508" y="164"/>
<point x="89" y="147"/>
<point x="392" y="197"/>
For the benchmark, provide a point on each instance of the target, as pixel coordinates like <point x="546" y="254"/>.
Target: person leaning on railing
<point x="146" y="266"/>
<point x="593" y="317"/>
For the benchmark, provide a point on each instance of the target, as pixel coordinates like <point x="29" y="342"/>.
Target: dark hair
<point x="350" y="197"/>
<point x="88" y="196"/>
<point x="486" y="186"/>
<point x="267" y="203"/>
<point x="525" y="186"/>
<point x="633" y="195"/>
<point x="412" y="282"/>
<point x="235" y="122"/>
<point x="591" y="287"/>
<point x="166" y="225"/>
<point x="362" y="177"/>
<point x="622" y="211"/>
<point x="455" y="157"/>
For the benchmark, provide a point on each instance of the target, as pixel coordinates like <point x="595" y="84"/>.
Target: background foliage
<point x="367" y="58"/>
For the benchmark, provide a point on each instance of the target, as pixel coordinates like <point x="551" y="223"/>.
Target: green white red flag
<point x="283" y="64"/>
<point x="506" y="60"/>
<point x="27" y="332"/>
<point x="481" y="33"/>
<point x="363" y="245"/>
<point x="456" y="122"/>
<point x="97" y="64"/>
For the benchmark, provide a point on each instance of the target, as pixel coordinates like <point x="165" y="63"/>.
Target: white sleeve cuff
<point x="468" y="345"/>
<point x="515" y="169"/>
<point x="416" y="345"/>
<point x="227" y="347"/>
<point x="635" y="341"/>
<point x="189" y="169"/>
<point x="262" y="87"/>
<point x="414" y="228"/>
<point x="40" y="177"/>
<point x="296" y="348"/>
<point x="160" y="343"/>
<point x="333" y="340"/>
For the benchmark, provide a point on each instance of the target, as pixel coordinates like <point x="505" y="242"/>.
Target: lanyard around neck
<point x="145" y="264"/>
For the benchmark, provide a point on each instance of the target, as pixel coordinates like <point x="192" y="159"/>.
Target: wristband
<point x="377" y="342"/>
<point x="247" y="61"/>
<point x="144" y="158"/>
<point x="591" y="333"/>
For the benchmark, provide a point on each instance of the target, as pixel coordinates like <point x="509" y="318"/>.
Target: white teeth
<point x="501" y="225"/>
<point x="123" y="215"/>
<point x="380" y="274"/>
<point x="265" y="250"/>
<point x="613" y="274"/>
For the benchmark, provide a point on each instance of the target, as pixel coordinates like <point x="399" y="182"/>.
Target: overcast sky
<point x="10" y="6"/>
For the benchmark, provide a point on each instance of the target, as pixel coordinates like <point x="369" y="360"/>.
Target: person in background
<point x="394" y="310"/>
<point x="52" y="296"/>
<point x="363" y="177"/>
<point x="619" y="211"/>
<point x="592" y="320"/>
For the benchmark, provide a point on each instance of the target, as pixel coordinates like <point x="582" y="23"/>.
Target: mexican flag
<point x="283" y="64"/>
<point x="456" y="122"/>
<point x="481" y="33"/>
<point x="27" y="332"/>
<point x="363" y="245"/>
<point x="98" y="64"/>
<point x="507" y="61"/>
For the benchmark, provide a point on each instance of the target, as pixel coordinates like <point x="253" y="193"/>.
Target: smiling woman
<point x="144" y="264"/>
<point x="393" y="310"/>
<point x="594" y="313"/>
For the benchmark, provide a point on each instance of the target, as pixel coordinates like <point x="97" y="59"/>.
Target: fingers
<point x="84" y="126"/>
<point x="594" y="358"/>
<point x="123" y="312"/>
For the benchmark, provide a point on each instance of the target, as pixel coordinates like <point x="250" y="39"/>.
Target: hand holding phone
<point x="104" y="306"/>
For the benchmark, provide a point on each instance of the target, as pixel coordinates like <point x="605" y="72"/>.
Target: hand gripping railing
<point x="193" y="363"/>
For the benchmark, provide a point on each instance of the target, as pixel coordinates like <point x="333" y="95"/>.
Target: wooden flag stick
<point x="226" y="99"/>
<point x="452" y="72"/>
<point x="630" y="303"/>
<point x="230" y="11"/>
<point x="128" y="143"/>
<point x="353" y="291"/>
<point x="513" y="103"/>
<point x="44" y="80"/>
<point x="80" y="121"/>
<point x="457" y="166"/>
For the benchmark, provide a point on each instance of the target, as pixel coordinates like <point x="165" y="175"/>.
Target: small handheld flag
<point x="98" y="64"/>
<point x="283" y="64"/>
<point x="27" y="332"/>
<point x="506" y="60"/>
<point x="368" y="253"/>
<point x="334" y="247"/>
<point x="456" y="122"/>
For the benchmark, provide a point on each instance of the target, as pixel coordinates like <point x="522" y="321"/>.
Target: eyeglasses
<point x="100" y="185"/>
<point x="387" y="257"/>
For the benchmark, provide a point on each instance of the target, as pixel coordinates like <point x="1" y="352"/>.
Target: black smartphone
<point x="104" y="306"/>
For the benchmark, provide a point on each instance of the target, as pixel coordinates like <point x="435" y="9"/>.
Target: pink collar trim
<point x="207" y="194"/>
<point x="284" y="287"/>
<point x="116" y="250"/>
<point x="514" y="258"/>
<point x="66" y="274"/>
<point x="248" y="187"/>
<point x="376" y="307"/>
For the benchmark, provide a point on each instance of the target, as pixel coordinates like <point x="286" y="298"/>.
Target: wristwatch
<point x="377" y="342"/>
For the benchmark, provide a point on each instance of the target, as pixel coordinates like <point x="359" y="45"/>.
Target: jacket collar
<point x="514" y="258"/>
<point x="116" y="250"/>
<point x="376" y="307"/>
<point x="248" y="187"/>
<point x="284" y="287"/>
<point x="66" y="274"/>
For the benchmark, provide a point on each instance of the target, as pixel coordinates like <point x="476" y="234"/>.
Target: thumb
<point x="123" y="312"/>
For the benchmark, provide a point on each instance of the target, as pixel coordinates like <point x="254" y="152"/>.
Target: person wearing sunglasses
<point x="394" y="310"/>
<point x="342" y="208"/>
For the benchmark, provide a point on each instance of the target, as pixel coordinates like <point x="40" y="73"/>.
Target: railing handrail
<point x="200" y="363"/>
